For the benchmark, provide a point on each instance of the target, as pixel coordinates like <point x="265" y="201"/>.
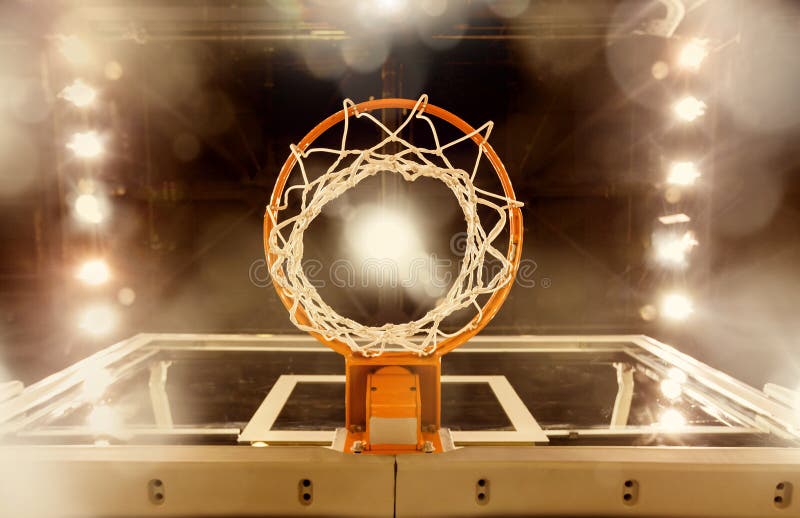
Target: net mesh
<point x="349" y="168"/>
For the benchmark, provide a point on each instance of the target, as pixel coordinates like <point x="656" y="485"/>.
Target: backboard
<point x="152" y="407"/>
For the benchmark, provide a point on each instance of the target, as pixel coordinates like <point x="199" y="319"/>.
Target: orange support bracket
<point x="393" y="403"/>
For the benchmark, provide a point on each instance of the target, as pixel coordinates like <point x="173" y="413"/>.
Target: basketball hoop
<point x="408" y="353"/>
<point x="283" y="239"/>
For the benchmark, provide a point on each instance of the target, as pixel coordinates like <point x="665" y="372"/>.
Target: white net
<point x="351" y="166"/>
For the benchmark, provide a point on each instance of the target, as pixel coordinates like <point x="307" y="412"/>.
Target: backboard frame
<point x="43" y="397"/>
<point x="50" y="480"/>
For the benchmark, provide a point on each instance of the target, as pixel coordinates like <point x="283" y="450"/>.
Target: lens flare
<point x="126" y="296"/>
<point x="113" y="70"/>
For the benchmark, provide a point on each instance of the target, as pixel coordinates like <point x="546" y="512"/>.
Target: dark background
<point x="211" y="96"/>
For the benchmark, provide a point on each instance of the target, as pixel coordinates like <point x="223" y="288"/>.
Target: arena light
<point x="692" y="54"/>
<point x="382" y="233"/>
<point x="673" y="219"/>
<point x="96" y="383"/>
<point x="79" y="93"/>
<point x="86" y="144"/>
<point x="671" y="420"/>
<point x="676" y="306"/>
<point x="387" y="244"/>
<point x="89" y="208"/>
<point x="683" y="173"/>
<point x="97" y="320"/>
<point x="672" y="248"/>
<point x="689" y="108"/>
<point x="94" y="272"/>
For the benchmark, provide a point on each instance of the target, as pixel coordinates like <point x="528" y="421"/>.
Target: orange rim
<point x="513" y="254"/>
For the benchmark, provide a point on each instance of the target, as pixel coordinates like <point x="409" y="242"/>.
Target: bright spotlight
<point x="689" y="108"/>
<point x="692" y="54"/>
<point x="75" y="50"/>
<point x="88" y="208"/>
<point x="97" y="320"/>
<point x="103" y="419"/>
<point x="94" y="272"/>
<point x="683" y="173"/>
<point x="86" y="145"/>
<point x="387" y="243"/>
<point x="672" y="249"/>
<point x="671" y="419"/>
<point x="96" y="383"/>
<point x="673" y="219"/>
<point x="676" y="306"/>
<point x="79" y="93"/>
<point x="671" y="389"/>
<point x="381" y="233"/>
